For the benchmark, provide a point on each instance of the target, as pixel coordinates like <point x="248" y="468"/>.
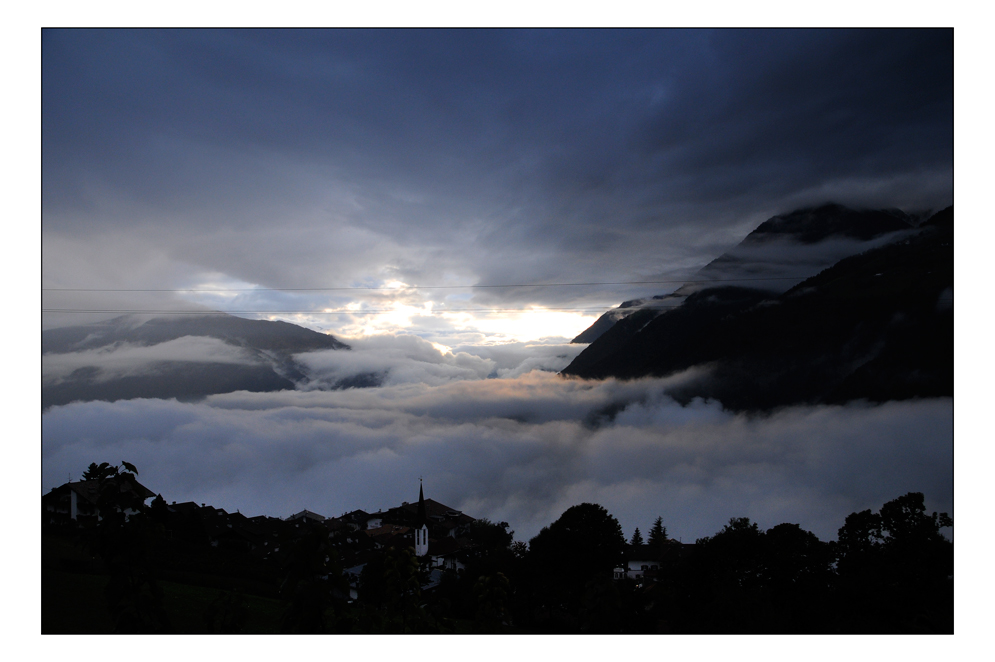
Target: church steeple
<point x="421" y="524"/>
<point x="422" y="517"/>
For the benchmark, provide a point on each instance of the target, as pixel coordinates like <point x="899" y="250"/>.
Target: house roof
<point x="306" y="514"/>
<point x="443" y="546"/>
<point x="387" y="529"/>
<point x="434" y="511"/>
<point x="356" y="516"/>
<point x="90" y="489"/>
<point x="184" y="507"/>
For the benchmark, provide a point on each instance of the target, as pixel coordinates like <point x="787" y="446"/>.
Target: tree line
<point x="889" y="571"/>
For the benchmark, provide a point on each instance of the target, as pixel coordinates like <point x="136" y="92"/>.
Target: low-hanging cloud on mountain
<point x="127" y="359"/>
<point x="386" y="359"/>
<point x="519" y="449"/>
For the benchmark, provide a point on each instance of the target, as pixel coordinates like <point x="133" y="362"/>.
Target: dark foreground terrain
<point x="195" y="569"/>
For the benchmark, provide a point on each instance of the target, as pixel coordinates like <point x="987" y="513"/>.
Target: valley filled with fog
<point x="495" y="432"/>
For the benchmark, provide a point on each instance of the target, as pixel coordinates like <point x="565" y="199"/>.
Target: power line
<point x="410" y="287"/>
<point x="329" y="312"/>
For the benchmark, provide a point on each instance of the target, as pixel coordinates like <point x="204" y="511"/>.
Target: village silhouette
<point x="118" y="558"/>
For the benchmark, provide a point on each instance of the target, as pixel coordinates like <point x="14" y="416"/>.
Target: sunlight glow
<point x="442" y="349"/>
<point x="399" y="310"/>
<point x="532" y="324"/>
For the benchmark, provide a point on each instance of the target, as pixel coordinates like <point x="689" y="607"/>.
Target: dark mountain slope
<point x="786" y="248"/>
<point x="629" y="345"/>
<point x="186" y="381"/>
<point x="812" y="225"/>
<point x="878" y="325"/>
<point x="268" y="349"/>
<point x="256" y="334"/>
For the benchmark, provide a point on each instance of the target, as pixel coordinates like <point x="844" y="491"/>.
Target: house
<point x="387" y="532"/>
<point x="356" y="520"/>
<point x="442" y="520"/>
<point x="78" y="501"/>
<point x="433" y="529"/>
<point x="306" y="515"/>
<point x="445" y="554"/>
<point x="641" y="561"/>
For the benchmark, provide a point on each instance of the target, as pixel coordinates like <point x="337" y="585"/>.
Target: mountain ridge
<point x="265" y="351"/>
<point x="875" y="326"/>
<point x="766" y="252"/>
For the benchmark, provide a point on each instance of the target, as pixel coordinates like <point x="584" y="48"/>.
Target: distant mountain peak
<point x="814" y="224"/>
<point x="266" y="351"/>
<point x="876" y="325"/>
<point x="267" y="335"/>
<point x="782" y="248"/>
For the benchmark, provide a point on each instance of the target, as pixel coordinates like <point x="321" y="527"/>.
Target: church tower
<point x="421" y="525"/>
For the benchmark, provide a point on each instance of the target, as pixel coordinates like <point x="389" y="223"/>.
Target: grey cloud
<point x="406" y="358"/>
<point x="397" y="359"/>
<point x="125" y="359"/>
<point x="787" y="261"/>
<point x="514" y="450"/>
<point x="331" y="157"/>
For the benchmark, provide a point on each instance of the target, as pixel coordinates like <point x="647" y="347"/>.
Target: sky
<point x="473" y="200"/>
<point x="262" y="160"/>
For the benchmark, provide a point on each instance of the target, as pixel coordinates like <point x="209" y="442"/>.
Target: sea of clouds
<point x="496" y="438"/>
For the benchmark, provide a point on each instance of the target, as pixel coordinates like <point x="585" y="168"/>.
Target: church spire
<point x="421" y="524"/>
<point x="422" y="516"/>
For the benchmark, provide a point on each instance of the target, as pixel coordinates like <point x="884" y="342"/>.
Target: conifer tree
<point x="657" y="536"/>
<point x="637" y="538"/>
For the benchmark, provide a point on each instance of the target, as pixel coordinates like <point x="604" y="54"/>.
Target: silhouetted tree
<point x="490" y="548"/>
<point x="390" y="590"/>
<point x="93" y="471"/>
<point x="895" y="570"/>
<point x="158" y="510"/>
<point x="492" y="594"/>
<point x="121" y="539"/>
<point x="722" y="583"/>
<point x="575" y="554"/>
<point x="312" y="580"/>
<point x="657" y="537"/>
<point x="637" y="538"/>
<point x="797" y="578"/>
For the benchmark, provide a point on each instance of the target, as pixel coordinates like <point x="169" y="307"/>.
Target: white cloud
<point x="521" y="449"/>
<point x="126" y="359"/>
<point x="408" y="359"/>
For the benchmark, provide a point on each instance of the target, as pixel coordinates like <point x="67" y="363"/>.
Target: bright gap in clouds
<point x="446" y="328"/>
<point x="398" y="307"/>
<point x="435" y="325"/>
<point x="533" y="324"/>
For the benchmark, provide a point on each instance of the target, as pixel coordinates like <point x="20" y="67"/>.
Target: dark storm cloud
<point x="517" y="450"/>
<point x="290" y="158"/>
<point x="785" y="110"/>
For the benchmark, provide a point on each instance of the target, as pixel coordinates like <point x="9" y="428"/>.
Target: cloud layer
<point x="125" y="359"/>
<point x="520" y="449"/>
<point x="345" y="158"/>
